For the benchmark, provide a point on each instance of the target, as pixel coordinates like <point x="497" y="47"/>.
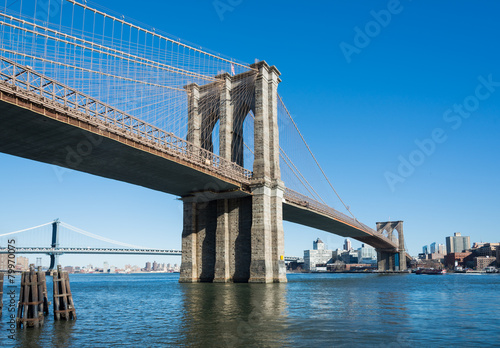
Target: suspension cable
<point x="26" y="229"/>
<point x="315" y="160"/>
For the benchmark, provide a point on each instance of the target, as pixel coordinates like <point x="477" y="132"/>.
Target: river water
<point x="311" y="310"/>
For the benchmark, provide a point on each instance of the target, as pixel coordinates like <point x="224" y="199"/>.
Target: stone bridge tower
<point x="390" y="260"/>
<point x="228" y="237"/>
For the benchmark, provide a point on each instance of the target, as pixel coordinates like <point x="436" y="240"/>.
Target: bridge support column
<point x="402" y="250"/>
<point x="387" y="260"/>
<point x="54" y="258"/>
<point x="278" y="234"/>
<point x="189" y="258"/>
<point x="222" y="240"/>
<point x="194" y="115"/>
<point x="268" y="263"/>
<point x="261" y="265"/>
<point x="236" y="239"/>
<point x="216" y="240"/>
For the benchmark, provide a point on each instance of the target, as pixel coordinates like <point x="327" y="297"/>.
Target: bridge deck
<point x="30" y="131"/>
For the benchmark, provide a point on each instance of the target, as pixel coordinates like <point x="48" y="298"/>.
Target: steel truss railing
<point x="21" y="80"/>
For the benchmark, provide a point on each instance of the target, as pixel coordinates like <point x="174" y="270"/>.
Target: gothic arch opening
<point x="215" y="138"/>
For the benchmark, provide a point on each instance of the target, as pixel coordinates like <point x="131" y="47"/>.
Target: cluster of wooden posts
<point x="33" y="304"/>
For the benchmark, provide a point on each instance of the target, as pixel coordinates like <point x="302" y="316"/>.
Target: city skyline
<point x="395" y="91"/>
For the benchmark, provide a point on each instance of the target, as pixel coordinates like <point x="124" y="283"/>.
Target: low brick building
<point x="463" y="259"/>
<point x="481" y="262"/>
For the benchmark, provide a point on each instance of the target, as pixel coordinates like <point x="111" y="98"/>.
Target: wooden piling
<point x="30" y="299"/>
<point x="1" y="293"/>
<point x="42" y="281"/>
<point x="64" y="308"/>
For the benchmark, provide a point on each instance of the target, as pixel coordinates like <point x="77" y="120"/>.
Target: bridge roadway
<point x="43" y="120"/>
<point x="38" y="250"/>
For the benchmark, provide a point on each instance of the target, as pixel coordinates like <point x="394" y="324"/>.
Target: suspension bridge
<point x="85" y="89"/>
<point x="67" y="239"/>
<point x="57" y="238"/>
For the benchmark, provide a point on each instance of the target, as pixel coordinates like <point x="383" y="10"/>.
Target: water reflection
<point x="234" y="315"/>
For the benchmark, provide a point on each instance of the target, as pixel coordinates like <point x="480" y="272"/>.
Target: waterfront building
<point x="347" y="245"/>
<point x="464" y="259"/>
<point x="105" y="267"/>
<point x="317" y="256"/>
<point x="349" y="256"/>
<point x="441" y="249"/>
<point x="435" y="256"/>
<point x="148" y="266"/>
<point x="433" y="248"/>
<point x="4" y="262"/>
<point x="486" y="249"/>
<point x="22" y="263"/>
<point x="481" y="262"/>
<point x="367" y="254"/>
<point x="337" y="254"/>
<point x="155" y="266"/>
<point x="457" y="243"/>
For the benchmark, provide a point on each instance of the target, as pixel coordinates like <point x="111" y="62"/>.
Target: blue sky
<point x="362" y="114"/>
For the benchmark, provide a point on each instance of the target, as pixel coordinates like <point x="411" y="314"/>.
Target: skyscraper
<point x="318" y="245"/>
<point x="441" y="249"/>
<point x="347" y="245"/>
<point x="425" y="249"/>
<point x="433" y="248"/>
<point x="457" y="243"/>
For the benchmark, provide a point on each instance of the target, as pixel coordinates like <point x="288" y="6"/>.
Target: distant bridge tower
<point x="54" y="257"/>
<point x="228" y="237"/>
<point x="392" y="260"/>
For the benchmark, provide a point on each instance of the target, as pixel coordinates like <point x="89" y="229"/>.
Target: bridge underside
<point x="388" y="255"/>
<point x="66" y="143"/>
<point x="307" y="217"/>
